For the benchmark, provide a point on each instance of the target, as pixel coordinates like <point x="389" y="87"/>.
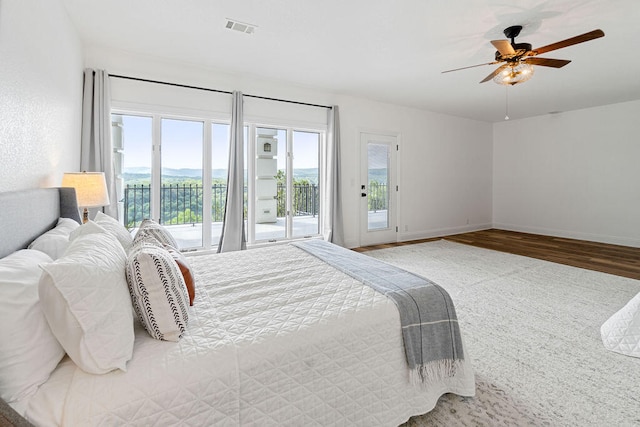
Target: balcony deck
<point x="190" y="235"/>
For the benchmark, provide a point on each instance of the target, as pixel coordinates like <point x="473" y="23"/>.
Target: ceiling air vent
<point x="240" y="26"/>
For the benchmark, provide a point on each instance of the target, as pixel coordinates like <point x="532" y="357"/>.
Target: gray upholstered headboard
<point x="26" y="214"/>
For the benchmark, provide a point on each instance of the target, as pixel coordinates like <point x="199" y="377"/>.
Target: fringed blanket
<point x="430" y="330"/>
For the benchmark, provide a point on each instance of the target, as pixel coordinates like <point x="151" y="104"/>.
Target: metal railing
<point x="377" y="197"/>
<point x="182" y="203"/>
<point x="306" y="199"/>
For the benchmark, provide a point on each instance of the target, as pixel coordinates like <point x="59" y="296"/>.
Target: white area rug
<point x="532" y="330"/>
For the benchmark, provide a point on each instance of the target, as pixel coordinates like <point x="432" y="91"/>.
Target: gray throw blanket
<point x="430" y="330"/>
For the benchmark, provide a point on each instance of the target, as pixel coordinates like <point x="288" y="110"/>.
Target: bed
<point x="275" y="336"/>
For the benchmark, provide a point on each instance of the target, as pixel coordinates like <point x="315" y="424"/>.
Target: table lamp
<point x="91" y="190"/>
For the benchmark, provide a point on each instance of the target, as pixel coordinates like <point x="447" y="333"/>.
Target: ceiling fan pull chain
<point x="506" y="102"/>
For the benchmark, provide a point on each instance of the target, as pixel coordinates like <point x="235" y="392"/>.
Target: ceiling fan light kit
<point x="514" y="74"/>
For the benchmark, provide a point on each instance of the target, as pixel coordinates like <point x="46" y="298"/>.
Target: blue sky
<point x="182" y="144"/>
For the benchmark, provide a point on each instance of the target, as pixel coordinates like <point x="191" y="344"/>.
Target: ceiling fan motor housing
<point x="520" y="48"/>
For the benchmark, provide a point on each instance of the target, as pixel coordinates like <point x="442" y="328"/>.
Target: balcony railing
<point x="377" y="196"/>
<point x="305" y="200"/>
<point x="182" y="203"/>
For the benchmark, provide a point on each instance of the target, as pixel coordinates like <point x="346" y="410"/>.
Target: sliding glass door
<point x="286" y="184"/>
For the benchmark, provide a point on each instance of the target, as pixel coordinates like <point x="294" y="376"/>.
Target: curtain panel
<point x="96" y="148"/>
<point x="332" y="228"/>
<point x="233" y="236"/>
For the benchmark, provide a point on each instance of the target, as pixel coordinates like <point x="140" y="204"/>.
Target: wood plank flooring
<point x="613" y="259"/>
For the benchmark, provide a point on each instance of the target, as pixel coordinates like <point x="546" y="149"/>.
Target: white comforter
<point x="276" y="337"/>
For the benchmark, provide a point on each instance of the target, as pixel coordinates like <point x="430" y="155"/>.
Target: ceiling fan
<point x="518" y="59"/>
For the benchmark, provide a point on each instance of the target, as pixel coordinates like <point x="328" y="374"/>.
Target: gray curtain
<point x="233" y="234"/>
<point x="96" y="149"/>
<point x="332" y="229"/>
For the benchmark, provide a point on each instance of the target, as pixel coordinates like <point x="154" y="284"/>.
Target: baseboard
<point x="440" y="232"/>
<point x="601" y="238"/>
<point x="350" y="244"/>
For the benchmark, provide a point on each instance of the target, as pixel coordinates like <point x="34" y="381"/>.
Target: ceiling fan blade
<point x="471" y="66"/>
<point x="495" y="73"/>
<point x="570" y="42"/>
<point x="504" y="47"/>
<point x="546" y="62"/>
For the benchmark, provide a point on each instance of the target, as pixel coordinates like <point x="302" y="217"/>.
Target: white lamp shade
<point x="91" y="188"/>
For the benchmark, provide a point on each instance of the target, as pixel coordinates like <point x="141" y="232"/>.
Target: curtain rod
<point x="215" y="90"/>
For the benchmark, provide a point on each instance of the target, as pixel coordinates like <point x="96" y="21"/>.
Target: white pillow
<point x="114" y="227"/>
<point x="151" y="228"/>
<point x="88" y="227"/>
<point x="105" y="224"/>
<point x="55" y="241"/>
<point x="86" y="301"/>
<point x="29" y="351"/>
<point x="158" y="291"/>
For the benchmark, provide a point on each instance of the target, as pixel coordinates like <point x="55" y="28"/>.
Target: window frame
<point x="251" y="165"/>
<point x="208" y="118"/>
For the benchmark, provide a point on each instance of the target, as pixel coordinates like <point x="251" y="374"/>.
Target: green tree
<point x="281" y="181"/>
<point x="377" y="199"/>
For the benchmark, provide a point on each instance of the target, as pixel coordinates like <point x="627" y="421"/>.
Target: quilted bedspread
<point x="275" y="337"/>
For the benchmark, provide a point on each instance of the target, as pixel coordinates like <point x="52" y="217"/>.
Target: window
<point x="161" y="174"/>
<point x="174" y="170"/>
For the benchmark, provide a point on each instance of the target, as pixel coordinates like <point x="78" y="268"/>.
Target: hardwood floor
<point x="613" y="259"/>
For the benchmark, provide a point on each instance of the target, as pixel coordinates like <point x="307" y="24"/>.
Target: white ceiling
<point x="391" y="51"/>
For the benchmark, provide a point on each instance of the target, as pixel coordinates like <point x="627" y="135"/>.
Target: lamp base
<point x="85" y="215"/>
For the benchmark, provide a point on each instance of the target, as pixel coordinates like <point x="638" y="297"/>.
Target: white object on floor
<point x="621" y="332"/>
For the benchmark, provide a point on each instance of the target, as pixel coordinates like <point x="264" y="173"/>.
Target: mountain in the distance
<point x="131" y="173"/>
<point x="138" y="170"/>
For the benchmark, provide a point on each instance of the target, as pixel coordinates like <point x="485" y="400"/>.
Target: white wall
<point x="40" y="94"/>
<point x="444" y="169"/>
<point x="444" y="162"/>
<point x="574" y="174"/>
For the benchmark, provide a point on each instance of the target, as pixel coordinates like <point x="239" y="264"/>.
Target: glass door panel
<point x="306" y="195"/>
<point x="270" y="184"/>
<point x="220" y="135"/>
<point x="245" y="148"/>
<point x="378" y="184"/>
<point x="181" y="180"/>
<point x="132" y="142"/>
